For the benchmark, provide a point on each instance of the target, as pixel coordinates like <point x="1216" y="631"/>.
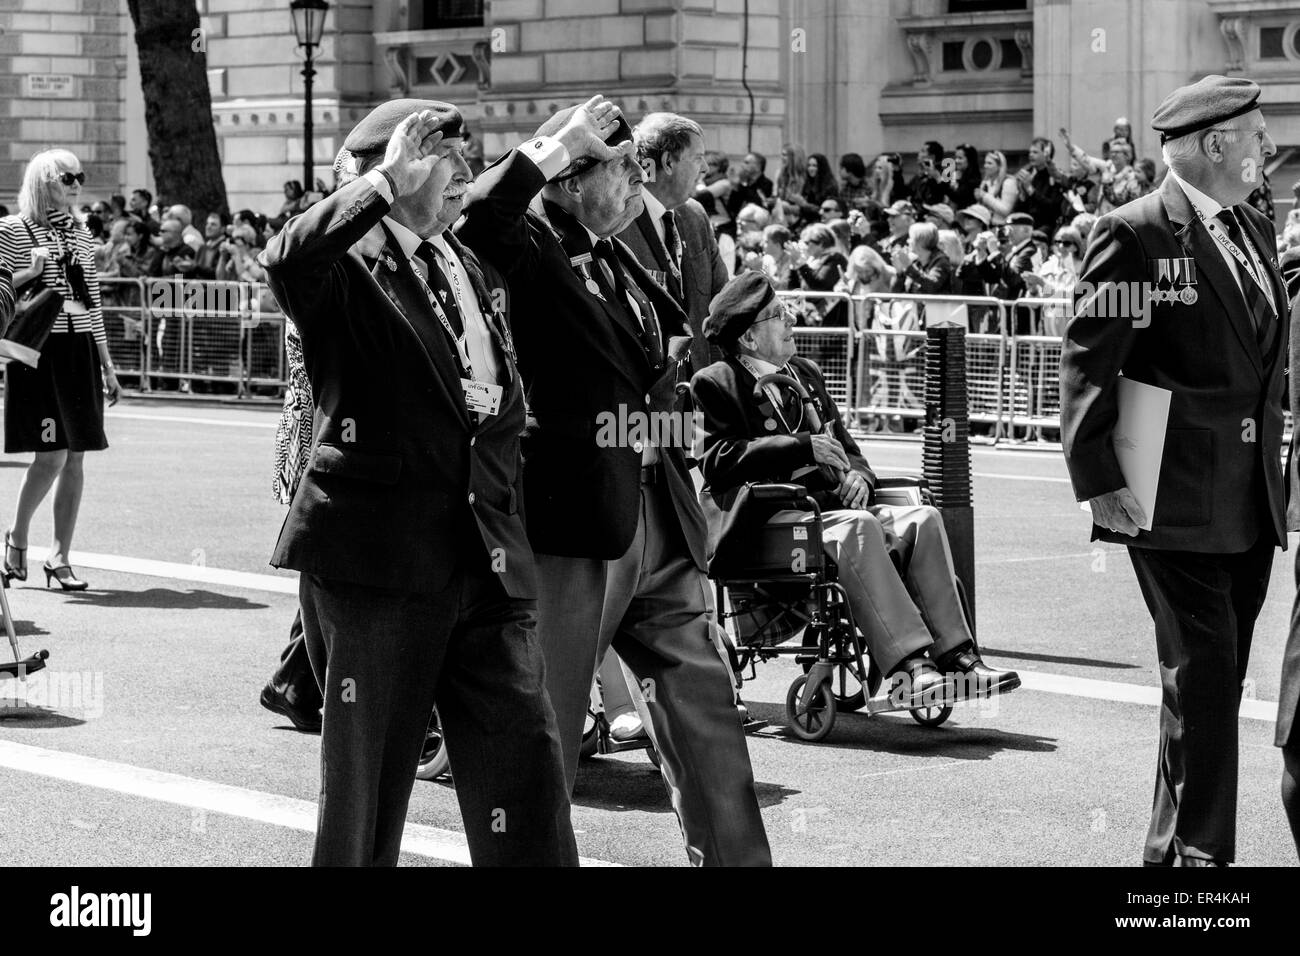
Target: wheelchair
<point x="772" y="600"/>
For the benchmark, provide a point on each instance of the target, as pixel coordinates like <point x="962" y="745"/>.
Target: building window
<point x="452" y="14"/>
<point x="984" y="6"/>
<point x="1270" y="43"/>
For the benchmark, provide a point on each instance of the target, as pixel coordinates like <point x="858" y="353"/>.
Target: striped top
<point x="64" y="231"/>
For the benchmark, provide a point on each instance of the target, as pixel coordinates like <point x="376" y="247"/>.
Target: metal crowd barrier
<point x="168" y="334"/>
<point x="229" y="336"/>
<point x="830" y="346"/>
<point x="890" y="371"/>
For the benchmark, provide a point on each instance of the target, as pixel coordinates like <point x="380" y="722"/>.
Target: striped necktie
<point x="1261" y="313"/>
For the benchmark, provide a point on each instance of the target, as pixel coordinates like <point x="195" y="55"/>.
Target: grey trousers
<point x="655" y="607"/>
<point x="897" y="614"/>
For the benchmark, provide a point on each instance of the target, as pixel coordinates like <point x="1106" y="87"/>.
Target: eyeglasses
<point x="1064" y="242"/>
<point x="786" y="314"/>
<point x="69" y="178"/>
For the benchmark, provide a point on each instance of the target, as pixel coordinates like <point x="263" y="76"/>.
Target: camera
<point x="1003" y="233"/>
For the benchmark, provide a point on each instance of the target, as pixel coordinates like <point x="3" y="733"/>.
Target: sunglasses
<point x="1064" y="242"/>
<point x="69" y="178"/>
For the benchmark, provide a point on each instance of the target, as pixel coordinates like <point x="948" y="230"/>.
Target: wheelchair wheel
<point x="815" y="722"/>
<point x="931" y="716"/>
<point x="849" y="693"/>
<point x="433" y="757"/>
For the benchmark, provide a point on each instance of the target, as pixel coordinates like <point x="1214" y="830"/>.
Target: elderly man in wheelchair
<point x="893" y="564"/>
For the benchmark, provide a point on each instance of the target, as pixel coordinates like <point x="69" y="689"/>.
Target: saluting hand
<point x="584" y="134"/>
<point x="410" y="157"/>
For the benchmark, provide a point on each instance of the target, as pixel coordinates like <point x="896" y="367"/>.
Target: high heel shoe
<point x="65" y="576"/>
<point x="16" y="571"/>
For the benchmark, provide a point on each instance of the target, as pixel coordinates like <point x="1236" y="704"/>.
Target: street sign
<point x="57" y="86"/>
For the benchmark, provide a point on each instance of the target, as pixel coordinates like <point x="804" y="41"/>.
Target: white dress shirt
<point x="1210" y="209"/>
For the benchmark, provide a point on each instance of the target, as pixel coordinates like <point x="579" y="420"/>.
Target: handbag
<point x="36" y="308"/>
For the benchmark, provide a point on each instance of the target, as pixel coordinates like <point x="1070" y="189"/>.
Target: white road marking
<point x="168" y="569"/>
<point x="1124" y="693"/>
<point x="233" y="422"/>
<point x="271" y="808"/>
<point x="1006" y="477"/>
<point x="1033" y="680"/>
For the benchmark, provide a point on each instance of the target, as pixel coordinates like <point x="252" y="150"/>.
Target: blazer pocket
<point x="1185" y="494"/>
<point x="353" y="463"/>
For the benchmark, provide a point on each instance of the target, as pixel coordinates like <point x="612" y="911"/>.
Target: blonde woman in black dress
<point x="55" y="410"/>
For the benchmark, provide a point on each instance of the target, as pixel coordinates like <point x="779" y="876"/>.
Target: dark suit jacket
<point x="703" y="274"/>
<point x="1218" y="493"/>
<point x="739" y="448"/>
<point x="1289" y="691"/>
<point x="582" y="360"/>
<point x="401" y="489"/>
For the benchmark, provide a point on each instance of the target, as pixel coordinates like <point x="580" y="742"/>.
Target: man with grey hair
<point x="1208" y="331"/>
<point x="189" y="235"/>
<point x="613" y="517"/>
<point x="672" y="237"/>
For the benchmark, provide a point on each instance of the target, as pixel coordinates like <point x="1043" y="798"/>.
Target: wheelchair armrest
<point x="778" y="492"/>
<point x="901" y="481"/>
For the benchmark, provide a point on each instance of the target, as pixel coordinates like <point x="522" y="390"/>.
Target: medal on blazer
<point x="582" y="265"/>
<point x="1174" y="281"/>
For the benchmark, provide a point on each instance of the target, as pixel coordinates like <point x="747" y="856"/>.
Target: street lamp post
<point x="308" y="27"/>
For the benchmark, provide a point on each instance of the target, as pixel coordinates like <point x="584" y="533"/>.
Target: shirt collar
<point x="408" y="240"/>
<point x="653" y="205"/>
<point x="757" y="367"/>
<point x="1208" y="205"/>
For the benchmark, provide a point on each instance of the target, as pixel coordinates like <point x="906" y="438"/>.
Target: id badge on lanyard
<point x="1243" y="259"/>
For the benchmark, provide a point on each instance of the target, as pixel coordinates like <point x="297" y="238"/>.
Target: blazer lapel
<point x="574" y="240"/>
<point x="399" y="282"/>
<point x="1200" y="245"/>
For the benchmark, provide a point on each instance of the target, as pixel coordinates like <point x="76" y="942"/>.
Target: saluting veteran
<point x="618" y="533"/>
<point x="1180" y="290"/>
<point x="417" y="582"/>
<point x="921" y="645"/>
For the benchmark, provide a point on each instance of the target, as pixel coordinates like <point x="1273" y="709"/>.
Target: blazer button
<point x="471" y="497"/>
<point x="636" y="447"/>
<point x="647" y="398"/>
<point x="472" y="439"/>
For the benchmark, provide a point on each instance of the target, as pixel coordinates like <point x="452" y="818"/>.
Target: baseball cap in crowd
<point x="977" y="212"/>
<point x="901" y="208"/>
<point x="1020" y="219"/>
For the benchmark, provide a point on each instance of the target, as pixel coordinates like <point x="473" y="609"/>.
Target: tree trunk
<point x="178" y="105"/>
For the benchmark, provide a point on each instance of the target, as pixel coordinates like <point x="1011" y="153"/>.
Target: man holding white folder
<point x="1180" y="291"/>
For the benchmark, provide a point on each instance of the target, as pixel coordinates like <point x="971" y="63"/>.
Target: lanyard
<point x="461" y="349"/>
<point x="1215" y="229"/>
<point x="773" y="395"/>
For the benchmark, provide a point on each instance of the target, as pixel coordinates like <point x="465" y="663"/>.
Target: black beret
<point x="735" y="308"/>
<point x="620" y="134"/>
<point x="372" y="134"/>
<point x="1020" y="219"/>
<point x="1207" y="102"/>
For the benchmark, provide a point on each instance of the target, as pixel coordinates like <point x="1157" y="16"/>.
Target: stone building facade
<point x="831" y="75"/>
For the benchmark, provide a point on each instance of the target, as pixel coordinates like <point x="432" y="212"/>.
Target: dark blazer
<point x="934" y="278"/>
<point x="739" y="447"/>
<point x="703" y="274"/>
<point x="402" y="488"/>
<point x="1288" y="702"/>
<point x="1218" y="493"/>
<point x="582" y="361"/>
<point x="1004" y="272"/>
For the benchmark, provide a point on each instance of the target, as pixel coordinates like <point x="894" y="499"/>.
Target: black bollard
<point x="946" y="461"/>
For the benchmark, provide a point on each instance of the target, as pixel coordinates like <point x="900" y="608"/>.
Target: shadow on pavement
<point x="165" y="598"/>
<point x="36" y="718"/>
<point x="1056" y="659"/>
<point x="899" y="734"/>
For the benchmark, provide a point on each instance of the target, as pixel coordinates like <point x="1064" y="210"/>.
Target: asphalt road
<point x="156" y="752"/>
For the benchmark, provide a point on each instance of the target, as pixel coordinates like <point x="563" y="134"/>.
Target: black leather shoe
<point x="963" y="662"/>
<point x="275" y="701"/>
<point x="1196" y="861"/>
<point x="916" y="682"/>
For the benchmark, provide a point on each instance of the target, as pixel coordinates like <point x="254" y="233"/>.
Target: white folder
<point x="1139" y="440"/>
